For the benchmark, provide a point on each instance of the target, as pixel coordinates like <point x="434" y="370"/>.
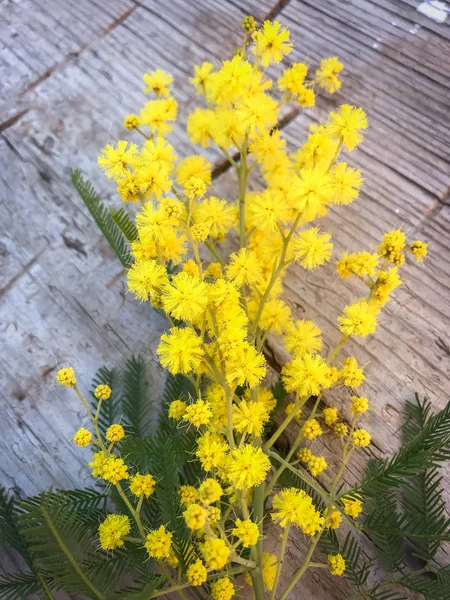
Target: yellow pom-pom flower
<point x="158" y="543"/>
<point x="336" y="564"/>
<point x="247" y="467"/>
<point x="359" y="405"/>
<point x="177" y="408"/>
<point x="351" y="373"/>
<point x="312" y="429"/>
<point x="361" y="438"/>
<point x="157" y="82"/>
<point x="131" y="122"/>
<point x="304" y="337"/>
<point x="146" y="277"/>
<point x="419" y="249"/>
<point x="312" y="248"/>
<point x="66" y="377"/>
<point x="346" y="125"/>
<point x="188" y="494"/>
<point x="359" y="318"/>
<point x="198" y="413"/>
<point x="185" y="297"/>
<point x="195" y="516"/>
<point x="271" y="43"/>
<point x="352" y="507"/>
<point x="341" y="429"/>
<point x="210" y="491"/>
<point x="112" y="531"/>
<point x="327" y="74"/>
<point x="215" y="552"/>
<point x="246" y="531"/>
<point x="306" y="374"/>
<point x="222" y="589"/>
<point x="83" y="437"/>
<point x="142" y="485"/>
<point x="115" y="433"/>
<point x="115" y="470"/>
<point x="330" y="415"/>
<point x="304" y="455"/>
<point x="317" y="465"/>
<point x="180" y="350"/>
<point x="103" y="392"/>
<point x="196" y="573"/>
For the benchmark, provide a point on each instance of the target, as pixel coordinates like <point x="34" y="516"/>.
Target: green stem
<point x="284" y="541"/>
<point x="170" y="579"/>
<point x="299" y="474"/>
<point x="182" y="586"/>
<point x="47" y="592"/>
<point x="86" y="407"/>
<point x="136" y="516"/>
<point x="97" y="593"/>
<point x="333" y="354"/>
<point x="298" y="404"/>
<point x="214" y="252"/>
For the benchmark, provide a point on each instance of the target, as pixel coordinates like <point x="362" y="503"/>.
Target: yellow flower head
<point x="257" y="112"/>
<point x="188" y="494"/>
<point x="112" y="531"/>
<point x="180" y="350"/>
<point x="312" y="429"/>
<point x="267" y="146"/>
<point x="214" y="514"/>
<point x="142" y="485"/>
<point x="115" y="161"/>
<point x="269" y="570"/>
<point x="351" y="373"/>
<point x="361" y="437"/>
<point x="290" y="407"/>
<point x="103" y="392"/>
<point x="292" y="506"/>
<point x="312" y="248"/>
<point x="247" y="467"/>
<point x="250" y="417"/>
<point x="306" y="374"/>
<point x="98" y="464"/>
<point x="246" y="531"/>
<point x="195" y="516"/>
<point x="131" y="122"/>
<point x="360" y="318"/>
<point x="210" y="491"/>
<point x="341" y="429"/>
<point x="304" y="455"/>
<point x="293" y="78"/>
<point x="200" y="126"/>
<point x="227" y="129"/>
<point x="217" y="215"/>
<point x="393" y="246"/>
<point x="359" y="405"/>
<point x="202" y="76"/>
<point x="267" y="210"/>
<point x="157" y="82"/>
<point x="193" y="166"/>
<point x="115" y="433"/>
<point x="303" y="337"/>
<point x="352" y="507"/>
<point x="66" y="377"/>
<point x="243" y="267"/>
<point x="212" y="449"/>
<point x="271" y="43"/>
<point x="317" y="465"/>
<point x="158" y="543"/>
<point x="177" y="408"/>
<point x="327" y="74"/>
<point x="334" y="520"/>
<point x="146" y="277"/>
<point x="198" y="413"/>
<point x="185" y="297"/>
<point x="215" y="552"/>
<point x="345" y="183"/>
<point x="330" y="415"/>
<point x="222" y="589"/>
<point x="419" y="249"/>
<point x="157" y="114"/>
<point x="115" y="470"/>
<point x="311" y="192"/>
<point x="196" y="573"/>
<point x="83" y="437"/>
<point x="336" y="564"/>
<point x="346" y="124"/>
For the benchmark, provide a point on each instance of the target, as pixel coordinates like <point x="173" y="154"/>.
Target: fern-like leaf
<point x="102" y="217"/>
<point x="18" y="586"/>
<point x="357" y="567"/>
<point x="125" y="224"/>
<point x="137" y="404"/>
<point x="10" y="535"/>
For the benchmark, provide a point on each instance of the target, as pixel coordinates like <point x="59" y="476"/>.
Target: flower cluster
<point x="221" y="305"/>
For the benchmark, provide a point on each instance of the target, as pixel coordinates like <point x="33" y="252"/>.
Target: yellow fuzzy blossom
<point x="290" y="407"/>
<point x="352" y="507"/>
<point x="269" y="570"/>
<point x="157" y="114"/>
<point x="200" y="126"/>
<point x="303" y="337"/>
<point x="346" y="125"/>
<point x="214" y="514"/>
<point x="292" y="506"/>
<point x="115" y="161"/>
<point x="250" y="417"/>
<point x="222" y="589"/>
<point x="336" y="564"/>
<point x="312" y="248"/>
<point x="392" y="247"/>
<point x="330" y="415"/>
<point x="198" y="413"/>
<point x="247" y="467"/>
<point x="131" y="122"/>
<point x="244" y="267"/>
<point x="257" y="113"/>
<point x="271" y="43"/>
<point x="180" y="350"/>
<point x="361" y="438"/>
<point x="215" y="552"/>
<point x="103" y="392"/>
<point x="311" y="192"/>
<point x="202" y="76"/>
<point x="177" y="408"/>
<point x="115" y="433"/>
<point x="157" y="82"/>
<point x="196" y="573"/>
<point x="419" y="249"/>
<point x="158" y="543"/>
<point x="344" y="184"/>
<point x="304" y="455"/>
<point x="359" y="405"/>
<point x="306" y="374"/>
<point x="195" y="516"/>
<point x="146" y="277"/>
<point x="188" y="494"/>
<point x="112" y="531"/>
<point x="312" y="429"/>
<point x="142" y="485"/>
<point x="217" y="214"/>
<point x="83" y="437"/>
<point x="293" y="78"/>
<point x="334" y="520"/>
<point x="115" y="470"/>
<point x="317" y="465"/>
<point x="210" y="491"/>
<point x="341" y="429"/>
<point x="327" y="74"/>
<point x="352" y="373"/>
<point x="66" y="377"/>
<point x="359" y="318"/>
<point x="98" y="463"/>
<point x="246" y="531"/>
<point x="185" y="297"/>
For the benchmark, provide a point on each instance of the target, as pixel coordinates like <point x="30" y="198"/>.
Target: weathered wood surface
<point x="70" y="71"/>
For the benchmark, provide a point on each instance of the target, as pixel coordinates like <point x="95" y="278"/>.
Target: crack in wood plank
<point x="23" y="271"/>
<point x="74" y="54"/>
